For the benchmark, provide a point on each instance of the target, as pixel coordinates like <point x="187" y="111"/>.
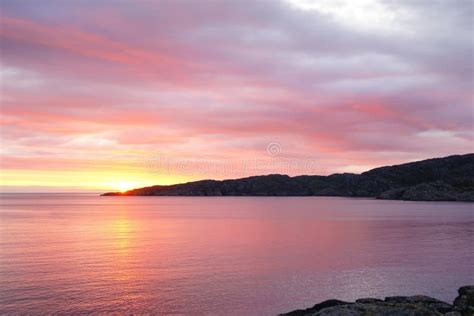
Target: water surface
<point x="225" y="255"/>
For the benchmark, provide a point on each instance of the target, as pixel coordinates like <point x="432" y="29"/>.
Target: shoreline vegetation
<point x="418" y="305"/>
<point x="439" y="179"/>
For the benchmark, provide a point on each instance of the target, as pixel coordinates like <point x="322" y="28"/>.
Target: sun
<point x="124" y="186"/>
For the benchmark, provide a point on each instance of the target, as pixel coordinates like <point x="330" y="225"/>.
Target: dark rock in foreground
<point x="440" y="179"/>
<point x="418" y="305"/>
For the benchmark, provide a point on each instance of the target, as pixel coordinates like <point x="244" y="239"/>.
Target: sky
<point x="110" y="95"/>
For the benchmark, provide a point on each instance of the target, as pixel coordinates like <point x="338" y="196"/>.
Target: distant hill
<point x="440" y="179"/>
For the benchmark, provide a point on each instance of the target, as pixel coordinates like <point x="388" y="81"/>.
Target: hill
<point x="439" y="179"/>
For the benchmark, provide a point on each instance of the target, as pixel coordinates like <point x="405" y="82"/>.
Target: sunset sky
<point x="102" y="95"/>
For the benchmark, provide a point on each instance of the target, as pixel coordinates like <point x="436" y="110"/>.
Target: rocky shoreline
<point x="418" y="305"/>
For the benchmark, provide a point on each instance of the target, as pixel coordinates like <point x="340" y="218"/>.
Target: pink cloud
<point x="222" y="80"/>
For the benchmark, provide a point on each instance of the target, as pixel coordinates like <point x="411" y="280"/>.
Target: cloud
<point x="372" y="83"/>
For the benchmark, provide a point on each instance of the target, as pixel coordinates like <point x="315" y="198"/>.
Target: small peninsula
<point x="440" y="179"/>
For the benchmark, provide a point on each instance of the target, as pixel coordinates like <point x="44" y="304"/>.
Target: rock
<point x="359" y="309"/>
<point x="368" y="300"/>
<point x="421" y="300"/>
<point x="316" y="308"/>
<point x="437" y="191"/>
<point x="418" y="305"/>
<point x="464" y="303"/>
<point x="467" y="196"/>
<point x="466" y="290"/>
<point x="394" y="194"/>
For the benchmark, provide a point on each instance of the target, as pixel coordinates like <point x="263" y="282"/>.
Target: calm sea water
<point x="224" y="255"/>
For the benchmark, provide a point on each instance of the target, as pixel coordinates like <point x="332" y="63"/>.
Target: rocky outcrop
<point x="441" y="179"/>
<point x="418" y="305"/>
<point x="464" y="303"/>
<point x="433" y="191"/>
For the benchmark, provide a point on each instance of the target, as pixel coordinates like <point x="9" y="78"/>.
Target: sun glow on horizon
<point x="124" y="186"/>
<point x="291" y="87"/>
<point x="92" y="179"/>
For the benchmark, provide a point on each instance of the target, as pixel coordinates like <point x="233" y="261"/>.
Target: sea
<point x="87" y="254"/>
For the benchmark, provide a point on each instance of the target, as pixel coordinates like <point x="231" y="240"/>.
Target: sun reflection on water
<point x="122" y="234"/>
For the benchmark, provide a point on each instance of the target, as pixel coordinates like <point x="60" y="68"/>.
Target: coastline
<point x="282" y="196"/>
<point x="438" y="179"/>
<point x="463" y="305"/>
